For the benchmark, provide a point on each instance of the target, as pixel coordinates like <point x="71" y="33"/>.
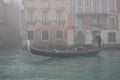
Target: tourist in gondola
<point x="82" y="49"/>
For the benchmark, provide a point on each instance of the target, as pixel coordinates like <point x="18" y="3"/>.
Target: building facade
<point x="13" y="24"/>
<point x="2" y="23"/>
<point x="10" y="23"/>
<point x="71" y="22"/>
<point x="96" y="16"/>
<point x="45" y="21"/>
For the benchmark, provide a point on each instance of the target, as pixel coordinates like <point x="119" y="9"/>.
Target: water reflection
<point x="21" y="65"/>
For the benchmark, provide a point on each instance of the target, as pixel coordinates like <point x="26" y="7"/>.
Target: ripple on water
<point x="104" y="66"/>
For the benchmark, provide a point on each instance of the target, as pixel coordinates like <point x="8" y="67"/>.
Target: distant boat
<point x="57" y="53"/>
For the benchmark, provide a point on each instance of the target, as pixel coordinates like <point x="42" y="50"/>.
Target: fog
<point x="16" y="1"/>
<point x="59" y="39"/>
<point x="64" y="22"/>
<point x="11" y="25"/>
<point x="13" y="0"/>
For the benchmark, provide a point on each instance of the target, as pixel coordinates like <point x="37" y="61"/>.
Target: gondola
<point x="53" y="53"/>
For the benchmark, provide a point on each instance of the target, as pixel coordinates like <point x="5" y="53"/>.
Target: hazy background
<point x="19" y="1"/>
<point x="13" y="0"/>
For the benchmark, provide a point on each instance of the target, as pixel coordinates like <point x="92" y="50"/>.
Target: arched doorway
<point x="80" y="38"/>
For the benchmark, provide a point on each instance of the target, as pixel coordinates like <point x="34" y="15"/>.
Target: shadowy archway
<point x="80" y="38"/>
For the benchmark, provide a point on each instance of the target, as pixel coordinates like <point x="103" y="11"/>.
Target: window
<point x="87" y="3"/>
<point x="95" y="3"/>
<point x="72" y="4"/>
<point x="30" y="35"/>
<point x="31" y="16"/>
<point x="104" y="5"/>
<point x="80" y="3"/>
<point x="45" y="17"/>
<point x="1" y="10"/>
<point x="112" y="21"/>
<point x="112" y="5"/>
<point x="59" y="17"/>
<point x="45" y="35"/>
<point x="96" y="22"/>
<point x="59" y="34"/>
<point x="111" y="37"/>
<point x="96" y="6"/>
<point x="80" y="21"/>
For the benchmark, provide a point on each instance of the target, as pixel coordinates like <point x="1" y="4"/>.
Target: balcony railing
<point x="97" y="25"/>
<point x="93" y="11"/>
<point x="32" y="22"/>
<point x="59" y="22"/>
<point x="47" y="22"/>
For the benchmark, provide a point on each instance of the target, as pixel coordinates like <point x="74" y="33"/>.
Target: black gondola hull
<point x="42" y="52"/>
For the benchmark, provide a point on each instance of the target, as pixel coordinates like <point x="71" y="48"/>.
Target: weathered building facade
<point x="45" y="21"/>
<point x="96" y="16"/>
<point x="10" y="23"/>
<point x="69" y="22"/>
<point x="2" y="23"/>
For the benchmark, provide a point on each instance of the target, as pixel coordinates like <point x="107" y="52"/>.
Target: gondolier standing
<point x="98" y="40"/>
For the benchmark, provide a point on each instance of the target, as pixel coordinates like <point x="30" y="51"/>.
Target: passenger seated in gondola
<point x="85" y="49"/>
<point x="55" y="50"/>
<point x="75" y="49"/>
<point x="82" y="49"/>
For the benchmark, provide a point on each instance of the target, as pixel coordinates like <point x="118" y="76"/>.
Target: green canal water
<point x="16" y="64"/>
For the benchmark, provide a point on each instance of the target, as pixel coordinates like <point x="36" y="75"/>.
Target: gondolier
<point x="98" y="40"/>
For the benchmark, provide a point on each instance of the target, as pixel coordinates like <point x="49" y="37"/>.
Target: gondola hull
<point x="51" y="53"/>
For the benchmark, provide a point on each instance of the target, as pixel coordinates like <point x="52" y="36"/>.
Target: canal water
<point x="17" y="64"/>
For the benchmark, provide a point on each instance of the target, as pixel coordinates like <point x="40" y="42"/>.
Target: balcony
<point x="97" y="26"/>
<point x="83" y="10"/>
<point x="59" y="22"/>
<point x="32" y="22"/>
<point x="45" y="22"/>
